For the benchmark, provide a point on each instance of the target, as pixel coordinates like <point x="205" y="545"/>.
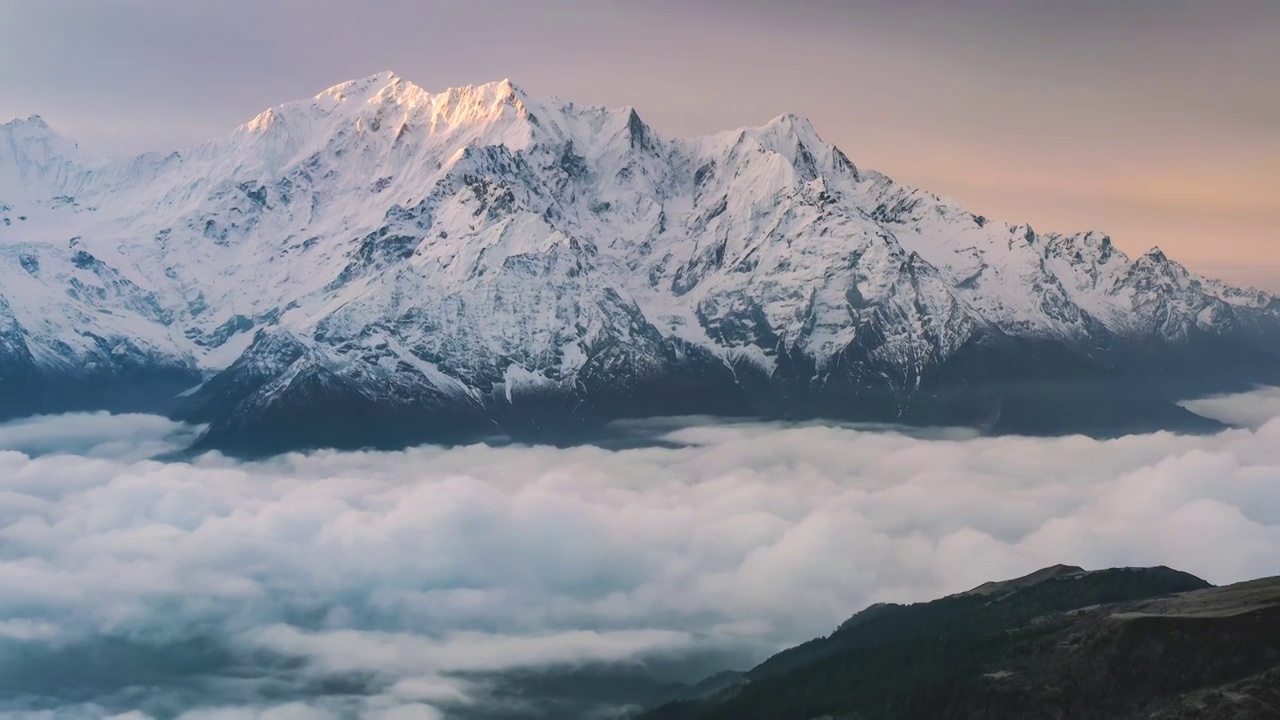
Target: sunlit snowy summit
<point x="382" y="265"/>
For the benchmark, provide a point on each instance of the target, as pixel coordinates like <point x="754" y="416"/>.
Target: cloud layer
<point x="1251" y="409"/>
<point x="419" y="583"/>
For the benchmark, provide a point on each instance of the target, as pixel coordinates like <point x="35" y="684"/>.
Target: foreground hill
<point x="380" y="265"/>
<point x="1060" y="643"/>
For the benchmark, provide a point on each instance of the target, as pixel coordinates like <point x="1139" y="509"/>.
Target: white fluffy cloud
<point x="421" y="576"/>
<point x="97" y="435"/>
<point x="1251" y="409"/>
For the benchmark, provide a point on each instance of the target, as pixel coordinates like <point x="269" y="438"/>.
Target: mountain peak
<point x="795" y="138"/>
<point x="505" y="86"/>
<point x="1039" y="576"/>
<point x="1156" y="254"/>
<point x="494" y="91"/>
<point x="351" y="87"/>
<point x="793" y="121"/>
<point x="387" y="86"/>
<point x="34" y="139"/>
<point x="1155" y="260"/>
<point x="638" y="131"/>
<point x="385" y="97"/>
<point x="33" y="123"/>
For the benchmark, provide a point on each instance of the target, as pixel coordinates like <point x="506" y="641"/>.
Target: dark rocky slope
<point x="1060" y="643"/>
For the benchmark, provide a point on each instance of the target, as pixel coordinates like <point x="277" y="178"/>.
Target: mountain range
<point x="381" y="265"/>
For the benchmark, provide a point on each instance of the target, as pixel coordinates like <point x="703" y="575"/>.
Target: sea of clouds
<point x="443" y="582"/>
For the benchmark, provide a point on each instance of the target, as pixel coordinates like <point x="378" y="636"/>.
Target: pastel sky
<point x="1157" y="121"/>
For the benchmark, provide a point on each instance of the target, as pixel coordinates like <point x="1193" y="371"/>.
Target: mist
<point x="455" y="582"/>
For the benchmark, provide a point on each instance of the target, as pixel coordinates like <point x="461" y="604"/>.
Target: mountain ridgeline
<point x="380" y="265"/>
<point x="1150" y="643"/>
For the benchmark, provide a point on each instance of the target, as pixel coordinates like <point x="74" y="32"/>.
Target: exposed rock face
<point x="380" y="264"/>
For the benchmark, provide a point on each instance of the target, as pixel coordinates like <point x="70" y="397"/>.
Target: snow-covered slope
<point x="387" y="258"/>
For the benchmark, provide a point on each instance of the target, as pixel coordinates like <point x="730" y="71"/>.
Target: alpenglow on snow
<point x="384" y="265"/>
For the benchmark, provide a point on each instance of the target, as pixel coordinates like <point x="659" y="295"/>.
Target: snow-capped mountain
<point x="384" y="264"/>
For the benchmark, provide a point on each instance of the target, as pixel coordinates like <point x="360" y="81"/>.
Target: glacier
<point x="382" y="265"/>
